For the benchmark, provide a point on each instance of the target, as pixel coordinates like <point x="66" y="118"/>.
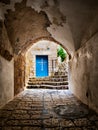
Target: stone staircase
<point x="58" y="81"/>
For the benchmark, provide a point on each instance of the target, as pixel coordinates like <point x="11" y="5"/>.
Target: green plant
<point x="62" y="53"/>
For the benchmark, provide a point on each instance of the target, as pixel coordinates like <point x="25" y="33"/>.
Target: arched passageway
<point x="71" y="24"/>
<point x="46" y="66"/>
<point x="25" y="65"/>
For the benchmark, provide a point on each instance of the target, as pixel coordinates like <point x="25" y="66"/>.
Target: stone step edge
<point x="52" y="79"/>
<point x="55" y="76"/>
<point x="48" y="82"/>
<point x="48" y="86"/>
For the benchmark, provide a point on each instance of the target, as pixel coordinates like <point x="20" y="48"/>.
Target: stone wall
<point x="29" y="70"/>
<point x="6" y="67"/>
<point x="83" y="76"/>
<point x="19" y="71"/>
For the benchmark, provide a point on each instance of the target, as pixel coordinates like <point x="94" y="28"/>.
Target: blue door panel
<point x="41" y="66"/>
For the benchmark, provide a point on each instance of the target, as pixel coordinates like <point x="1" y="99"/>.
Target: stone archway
<point x="20" y="67"/>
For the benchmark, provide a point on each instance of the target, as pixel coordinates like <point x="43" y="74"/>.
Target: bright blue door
<point x="41" y="66"/>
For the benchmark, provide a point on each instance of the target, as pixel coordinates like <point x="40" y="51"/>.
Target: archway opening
<point x="46" y="66"/>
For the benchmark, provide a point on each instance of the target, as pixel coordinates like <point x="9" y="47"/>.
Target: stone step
<point x="49" y="83"/>
<point x="59" y="76"/>
<point x="59" y="79"/>
<point x="48" y="79"/>
<point x="47" y="86"/>
<point x="60" y="73"/>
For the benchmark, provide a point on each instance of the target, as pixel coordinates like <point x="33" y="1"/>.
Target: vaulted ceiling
<point x="70" y="23"/>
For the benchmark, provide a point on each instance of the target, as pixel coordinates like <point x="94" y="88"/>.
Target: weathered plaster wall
<point x="6" y="81"/>
<point x="83" y="76"/>
<point x="79" y="15"/>
<point x="59" y="28"/>
<point x="6" y="67"/>
<point x="92" y="29"/>
<point x="69" y="19"/>
<point x="65" y="21"/>
<point x="52" y="23"/>
<point x="25" y="24"/>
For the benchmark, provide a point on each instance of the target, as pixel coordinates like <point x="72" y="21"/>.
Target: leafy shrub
<point x="61" y="52"/>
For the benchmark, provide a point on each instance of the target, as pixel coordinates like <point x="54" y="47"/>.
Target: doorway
<point x="41" y="65"/>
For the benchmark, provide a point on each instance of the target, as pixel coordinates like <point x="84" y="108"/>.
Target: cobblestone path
<point x="41" y="109"/>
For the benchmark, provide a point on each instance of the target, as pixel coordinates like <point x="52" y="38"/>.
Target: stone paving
<point x="40" y="109"/>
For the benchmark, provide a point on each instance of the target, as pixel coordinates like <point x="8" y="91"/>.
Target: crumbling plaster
<point x="56" y="18"/>
<point x="73" y="16"/>
<point x="23" y="27"/>
<point x="70" y="20"/>
<point x="58" y="29"/>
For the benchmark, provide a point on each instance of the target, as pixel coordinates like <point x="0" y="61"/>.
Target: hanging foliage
<point x="61" y="53"/>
